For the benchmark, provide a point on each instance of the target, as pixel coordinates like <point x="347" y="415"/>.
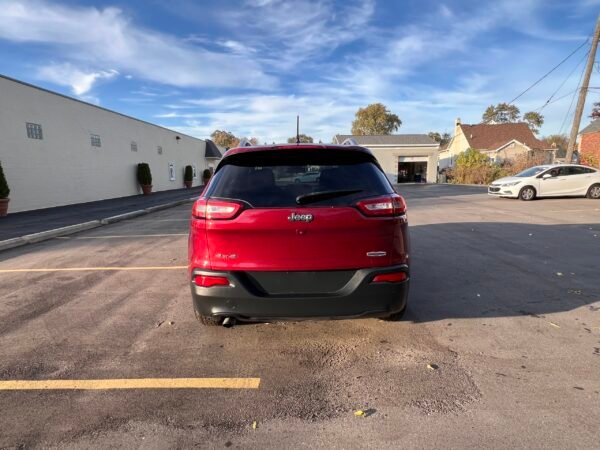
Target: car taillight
<point x="215" y="209"/>
<point x="210" y="281"/>
<point x="394" y="277"/>
<point x="389" y="205"/>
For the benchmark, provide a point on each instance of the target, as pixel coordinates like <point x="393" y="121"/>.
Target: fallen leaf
<point x="254" y="425"/>
<point x="359" y="413"/>
<point x="433" y="366"/>
<point x="553" y="324"/>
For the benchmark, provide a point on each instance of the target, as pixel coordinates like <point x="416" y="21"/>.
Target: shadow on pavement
<point x="425" y="190"/>
<point x="470" y="270"/>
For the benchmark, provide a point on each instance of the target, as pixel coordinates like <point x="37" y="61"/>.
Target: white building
<point x="56" y="150"/>
<point x="403" y="157"/>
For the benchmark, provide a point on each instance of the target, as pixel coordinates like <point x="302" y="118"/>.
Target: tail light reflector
<point x="394" y="277"/>
<point x="215" y="209"/>
<point x="210" y="281"/>
<point x="387" y="206"/>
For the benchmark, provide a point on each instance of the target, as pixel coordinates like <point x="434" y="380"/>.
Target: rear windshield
<point x="291" y="183"/>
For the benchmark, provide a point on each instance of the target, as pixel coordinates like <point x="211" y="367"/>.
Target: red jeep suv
<point x="267" y="241"/>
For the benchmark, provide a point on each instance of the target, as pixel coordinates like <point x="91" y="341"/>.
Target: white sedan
<point x="549" y="181"/>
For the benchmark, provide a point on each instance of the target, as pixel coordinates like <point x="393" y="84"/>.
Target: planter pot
<point x="205" y="181"/>
<point x="4" y="206"/>
<point x="146" y="189"/>
<point x="188" y="184"/>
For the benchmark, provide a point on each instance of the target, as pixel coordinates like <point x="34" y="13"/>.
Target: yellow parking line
<point x="84" y="269"/>
<point x="132" y="383"/>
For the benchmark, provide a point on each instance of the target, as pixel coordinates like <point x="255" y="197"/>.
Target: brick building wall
<point x="590" y="145"/>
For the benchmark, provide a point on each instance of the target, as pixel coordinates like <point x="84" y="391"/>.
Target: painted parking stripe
<point x="90" y="269"/>
<point x="131" y="383"/>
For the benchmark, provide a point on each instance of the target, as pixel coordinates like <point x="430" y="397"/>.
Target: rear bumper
<point x="357" y="298"/>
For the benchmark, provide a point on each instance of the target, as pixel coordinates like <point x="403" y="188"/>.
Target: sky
<point x="250" y="66"/>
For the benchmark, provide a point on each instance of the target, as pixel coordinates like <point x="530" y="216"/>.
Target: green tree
<point x="501" y="113"/>
<point x="441" y="139"/>
<point x="375" y="119"/>
<point x="558" y="141"/>
<point x="4" y="189"/>
<point x="534" y="120"/>
<point x="304" y="139"/>
<point x="224" y="138"/>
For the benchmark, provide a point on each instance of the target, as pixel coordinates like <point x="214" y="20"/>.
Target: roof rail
<point x="350" y="141"/>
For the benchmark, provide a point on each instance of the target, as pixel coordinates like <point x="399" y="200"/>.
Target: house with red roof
<point x="499" y="141"/>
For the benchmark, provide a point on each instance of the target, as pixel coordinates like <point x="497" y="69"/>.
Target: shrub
<point x="473" y="167"/>
<point x="587" y="159"/>
<point x="206" y="174"/>
<point x="188" y="173"/>
<point x="4" y="189"/>
<point x="524" y="161"/>
<point x="144" y="176"/>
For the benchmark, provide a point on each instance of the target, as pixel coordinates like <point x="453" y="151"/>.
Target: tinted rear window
<point x="266" y="183"/>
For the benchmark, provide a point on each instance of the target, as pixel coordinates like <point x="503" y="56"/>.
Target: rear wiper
<point x="324" y="195"/>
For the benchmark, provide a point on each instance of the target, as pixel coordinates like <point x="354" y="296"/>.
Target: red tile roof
<point x="492" y="136"/>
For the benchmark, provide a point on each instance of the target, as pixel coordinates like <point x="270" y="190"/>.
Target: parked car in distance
<point x="308" y="177"/>
<point x="558" y="180"/>
<point x="263" y="247"/>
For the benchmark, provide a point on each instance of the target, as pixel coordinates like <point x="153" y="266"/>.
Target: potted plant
<point x="144" y="177"/>
<point x="4" y="191"/>
<point x="188" y="176"/>
<point x="206" y="176"/>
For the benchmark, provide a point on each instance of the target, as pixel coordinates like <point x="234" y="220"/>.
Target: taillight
<point x="210" y="281"/>
<point x="389" y="205"/>
<point x="394" y="277"/>
<point x="215" y="209"/>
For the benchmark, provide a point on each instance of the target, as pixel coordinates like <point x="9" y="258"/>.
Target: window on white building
<point x="171" y="171"/>
<point x="95" y="140"/>
<point x="34" y="131"/>
<point x="194" y="169"/>
<point x="159" y="150"/>
<point x="133" y="146"/>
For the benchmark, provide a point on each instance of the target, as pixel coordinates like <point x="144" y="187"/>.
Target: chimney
<point x="457" y="126"/>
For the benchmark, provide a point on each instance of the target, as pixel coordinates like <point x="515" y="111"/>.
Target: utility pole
<point x="583" y="92"/>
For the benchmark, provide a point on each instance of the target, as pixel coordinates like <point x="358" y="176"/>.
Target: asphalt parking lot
<point x="500" y="346"/>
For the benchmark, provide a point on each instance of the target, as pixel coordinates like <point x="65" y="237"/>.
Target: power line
<point x="549" y="101"/>
<point x="549" y="72"/>
<point x="545" y="75"/>
<point x="572" y="99"/>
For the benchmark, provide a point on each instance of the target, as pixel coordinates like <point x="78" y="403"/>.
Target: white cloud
<point x="289" y="33"/>
<point x="79" y="81"/>
<point x="108" y="38"/>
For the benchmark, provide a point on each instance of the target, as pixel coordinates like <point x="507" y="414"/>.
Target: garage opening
<point x="410" y="170"/>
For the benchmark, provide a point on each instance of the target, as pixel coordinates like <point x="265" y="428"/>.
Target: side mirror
<point x="547" y="175"/>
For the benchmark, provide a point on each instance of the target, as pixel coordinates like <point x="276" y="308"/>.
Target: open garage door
<point x="412" y="169"/>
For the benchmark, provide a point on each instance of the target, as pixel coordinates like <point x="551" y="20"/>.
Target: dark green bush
<point x="206" y="174"/>
<point x="144" y="176"/>
<point x="188" y="174"/>
<point x="4" y="190"/>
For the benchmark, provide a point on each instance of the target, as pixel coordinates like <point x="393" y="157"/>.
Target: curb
<point x="64" y="231"/>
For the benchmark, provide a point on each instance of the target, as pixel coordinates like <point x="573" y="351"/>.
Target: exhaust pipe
<point x="228" y="322"/>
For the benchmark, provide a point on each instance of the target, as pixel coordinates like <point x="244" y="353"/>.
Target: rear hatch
<point x="302" y="210"/>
